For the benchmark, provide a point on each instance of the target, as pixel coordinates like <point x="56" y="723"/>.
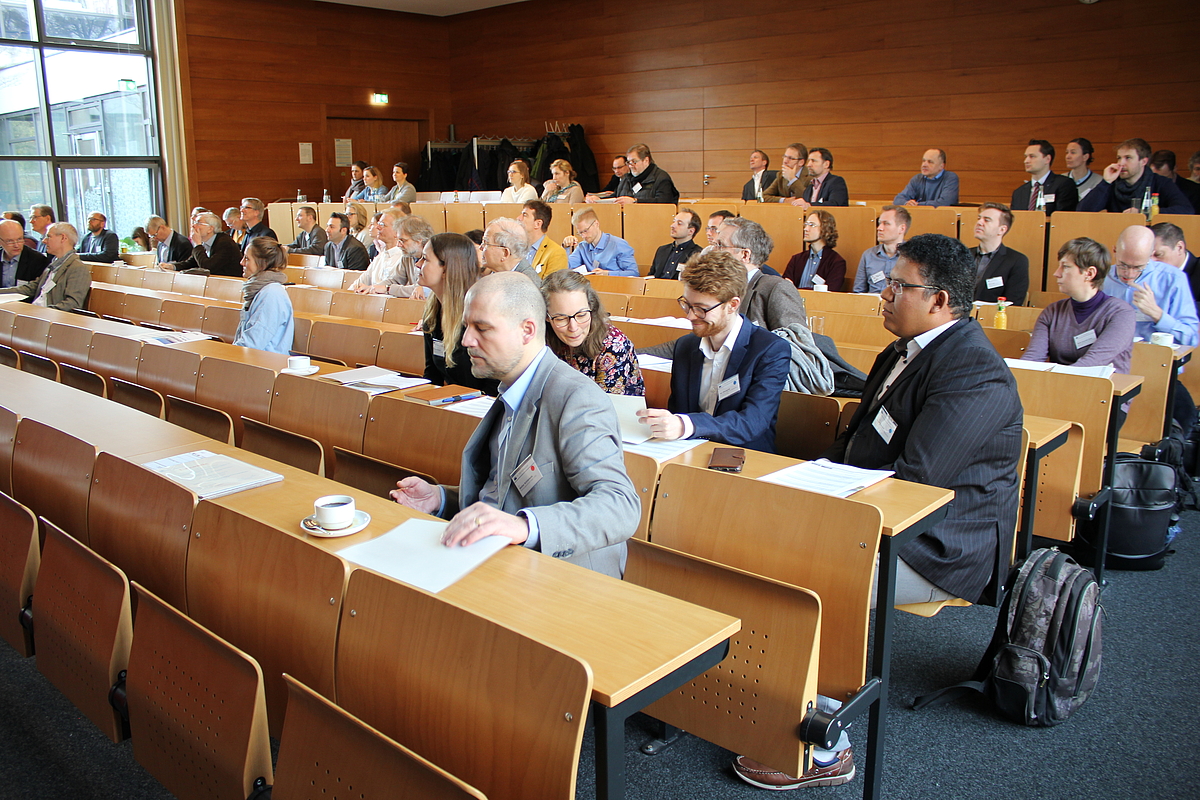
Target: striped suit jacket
<point x="958" y="425"/>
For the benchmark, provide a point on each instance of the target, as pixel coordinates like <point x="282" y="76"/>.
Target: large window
<point x="78" y="128"/>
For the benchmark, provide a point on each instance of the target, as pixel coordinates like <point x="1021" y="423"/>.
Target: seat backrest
<point x="403" y="352"/>
<point x="1042" y="395"/>
<point x="79" y="378"/>
<point x="324" y="751"/>
<point x="182" y="316"/>
<point x="114" y="357"/>
<point x="190" y="284"/>
<point x="82" y="626"/>
<point x="69" y="344"/>
<point x="197" y="712"/>
<point x="644" y="335"/>
<point x="9" y="357"/>
<point x="658" y="287"/>
<point x="328" y="412"/>
<point x="857" y="330"/>
<point x="826" y="544"/>
<point x="645" y="307"/>
<point x="169" y="370"/>
<point x="295" y="449"/>
<point x="205" y="420"/>
<point x="403" y="310"/>
<point x="242" y="390"/>
<point x="619" y="284"/>
<point x="1149" y="409"/>
<point x="38" y="365"/>
<point x="643" y="471"/>
<point x="770" y="675"/>
<point x="306" y="300"/>
<point x="615" y="304"/>
<point x="142" y="522"/>
<point x="482" y="689"/>
<point x="418" y="436"/>
<point x="221" y="288"/>
<point x="642" y="226"/>
<point x="1020" y="318"/>
<point x="159" y="281"/>
<point x="306" y="260"/>
<point x="106" y="301"/>
<point x="1008" y="343"/>
<point x="842" y="303"/>
<point x="221" y="321"/>
<point x="8" y="438"/>
<point x="807" y="424"/>
<point x="270" y="593"/>
<point x="30" y="333"/>
<point x="52" y="475"/>
<point x="20" y="555"/>
<point x="353" y="344"/>
<point x="358" y="306"/>
<point x="372" y="475"/>
<point x="141" y="308"/>
<point x="143" y="398"/>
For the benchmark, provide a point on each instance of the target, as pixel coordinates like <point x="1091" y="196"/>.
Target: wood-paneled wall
<point x="703" y="82"/>
<point x="264" y="75"/>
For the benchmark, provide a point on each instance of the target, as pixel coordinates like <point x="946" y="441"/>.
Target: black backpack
<point x="1044" y="658"/>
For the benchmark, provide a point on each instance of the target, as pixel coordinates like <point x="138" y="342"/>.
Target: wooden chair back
<point x="1057" y="487"/>
<point x="322" y="278"/>
<point x="403" y="310"/>
<point x="102" y="273"/>
<point x="221" y="321"/>
<point x="69" y="344"/>
<point x="300" y="451"/>
<point x="83" y="626"/>
<point x="646" y="227"/>
<point x="169" y="370"/>
<point x="1149" y="409"/>
<point x="826" y="544"/>
<point x="30" y="333"/>
<point x="644" y="307"/>
<point x="752" y="701"/>
<point x="129" y="276"/>
<point x="7" y="320"/>
<point x="1008" y="343"/>
<point x="219" y="288"/>
<point x="182" y="316"/>
<point x="644" y="335"/>
<point x="193" y="285"/>
<point x="846" y="415"/>
<point x="330" y="413"/>
<point x="142" y="308"/>
<point x="204" y="420"/>
<point x="20" y="556"/>
<point x="615" y="304"/>
<point x="857" y="330"/>
<point x="806" y="426"/>
<point x="306" y="300"/>
<point x="1020" y="318"/>
<point x="38" y="365"/>
<point x="1104" y="228"/>
<point x="842" y="303"/>
<point x="372" y="475"/>
<point x="463" y="217"/>
<point x="8" y="439"/>
<point x="114" y="357"/>
<point x="418" y="436"/>
<point x="306" y="261"/>
<point x="1043" y="299"/>
<point x="9" y="357"/>
<point x="926" y="219"/>
<point x="1042" y="395"/>
<point x="142" y="521"/>
<point x="143" y="398"/>
<point x="242" y="390"/>
<point x="158" y="281"/>
<point x="862" y="357"/>
<point x="403" y="352"/>
<point x="300" y="334"/>
<point x="618" y="284"/>
<point x="478" y="687"/>
<point x="196" y="707"/>
<point x="79" y="378"/>
<point x="324" y="750"/>
<point x="1027" y="236"/>
<point x="658" y="387"/>
<point x="358" y="306"/>
<point x="643" y="471"/>
<point x="352" y="344"/>
<point x="269" y="592"/>
<point x="52" y="475"/>
<point x="658" y="287"/>
<point x="105" y="302"/>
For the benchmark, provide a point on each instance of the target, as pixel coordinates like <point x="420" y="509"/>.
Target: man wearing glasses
<point x="596" y="252"/>
<point x="645" y="182"/>
<point x="252" y="210"/>
<point x="65" y="283"/>
<point x="789" y="185"/>
<point x="19" y="261"/>
<point x="100" y="244"/>
<point x="728" y="373"/>
<point x="504" y="247"/>
<point x="1158" y="292"/>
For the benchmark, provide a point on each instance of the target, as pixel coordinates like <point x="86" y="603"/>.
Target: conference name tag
<point x="1141" y="316"/>
<point x="885" y="425"/>
<point x="1047" y="198"/>
<point x="878" y="277"/>
<point x="637" y="187"/>
<point x="526" y="475"/>
<point x="728" y="388"/>
<point x="1082" y="340"/>
<point x="994" y="283"/>
<point x="439" y="348"/>
<point x="818" y="280"/>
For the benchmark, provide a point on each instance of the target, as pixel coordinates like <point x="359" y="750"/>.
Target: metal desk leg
<point x="885" y="600"/>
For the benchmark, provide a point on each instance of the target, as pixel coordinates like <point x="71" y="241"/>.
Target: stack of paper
<point x="373" y="380"/>
<point x="208" y="475"/>
<point x="1100" y="371"/>
<point x="633" y="430"/>
<point x="826" y="477"/>
<point x="656" y="363"/>
<point x="478" y="407"/>
<point x="414" y="554"/>
<point x="661" y="450"/>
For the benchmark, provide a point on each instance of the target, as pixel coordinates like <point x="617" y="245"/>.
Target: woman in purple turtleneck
<point x="1089" y="328"/>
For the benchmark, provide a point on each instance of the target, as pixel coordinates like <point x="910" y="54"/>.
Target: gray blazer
<point x="354" y="255"/>
<point x="72" y="282"/>
<point x="401" y="193"/>
<point x="311" y="243"/>
<point x="585" y="504"/>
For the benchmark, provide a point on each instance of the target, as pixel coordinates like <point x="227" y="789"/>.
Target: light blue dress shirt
<point x="609" y="253"/>
<point x="1173" y="296"/>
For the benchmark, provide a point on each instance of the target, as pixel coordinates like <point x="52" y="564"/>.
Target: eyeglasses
<point x="1130" y="269"/>
<point x="698" y="310"/>
<point x="588" y="229"/>
<point x="810" y="224"/>
<point x="792" y="158"/>
<point x="563" y="320"/>
<point x="898" y="286"/>
<point x="7" y="242"/>
<point x="485" y="244"/>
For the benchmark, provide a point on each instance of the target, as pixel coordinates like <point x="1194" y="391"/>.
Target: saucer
<point x="313" y="368"/>
<point x="309" y="525"/>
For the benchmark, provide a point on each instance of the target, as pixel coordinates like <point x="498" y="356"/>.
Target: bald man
<point x="19" y="262"/>
<point x="1158" y="292"/>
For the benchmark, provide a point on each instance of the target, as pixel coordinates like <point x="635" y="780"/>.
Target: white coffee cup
<point x="820" y="287"/>
<point x="334" y="511"/>
<point x="298" y="363"/>
<point x="1162" y="338"/>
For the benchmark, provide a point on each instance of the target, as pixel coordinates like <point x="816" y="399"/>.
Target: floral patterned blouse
<point x="615" y="369"/>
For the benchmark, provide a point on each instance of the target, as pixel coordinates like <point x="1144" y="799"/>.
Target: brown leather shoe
<point x="762" y="776"/>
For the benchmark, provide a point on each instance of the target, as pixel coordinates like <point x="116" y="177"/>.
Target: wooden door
<point x="379" y="142"/>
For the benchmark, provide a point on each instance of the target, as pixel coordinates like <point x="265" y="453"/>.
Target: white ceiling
<point x="436" y="8"/>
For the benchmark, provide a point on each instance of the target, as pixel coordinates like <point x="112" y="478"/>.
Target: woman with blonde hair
<point x="449" y="267"/>
<point x="266" y="321"/>
<point x="375" y="190"/>
<point x="519" y="190"/>
<point x="562" y="186"/>
<point x="360" y="222"/>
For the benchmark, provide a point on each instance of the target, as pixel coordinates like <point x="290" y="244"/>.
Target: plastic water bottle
<point x="325" y="198"/>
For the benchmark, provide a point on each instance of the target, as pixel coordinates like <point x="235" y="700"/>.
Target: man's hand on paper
<point x="479" y="520"/>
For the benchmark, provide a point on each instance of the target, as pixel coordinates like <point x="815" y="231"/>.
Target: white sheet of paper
<point x="476" y="407"/>
<point x="13" y="297"/>
<point x="413" y="553"/>
<point x="656" y="363"/>
<point x="661" y="450"/>
<point x="825" y="477"/>
<point x="627" y="406"/>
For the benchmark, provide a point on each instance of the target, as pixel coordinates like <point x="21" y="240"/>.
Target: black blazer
<point x="657" y="186"/>
<point x="1066" y="196"/>
<point x="103" y="247"/>
<point x="177" y="248"/>
<point x="958" y="425"/>
<point x="354" y="254"/>
<point x="664" y="266"/>
<point x="833" y="192"/>
<point x="260" y="229"/>
<point x="768" y="177"/>
<point x="1012" y="268"/>
<point x="31" y="264"/>
<point x="225" y="259"/>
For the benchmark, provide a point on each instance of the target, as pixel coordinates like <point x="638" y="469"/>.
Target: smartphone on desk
<point x="727" y="459"/>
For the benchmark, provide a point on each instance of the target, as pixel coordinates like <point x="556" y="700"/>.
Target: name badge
<point x="818" y="280"/>
<point x="885" y="425"/>
<point x="1141" y="316"/>
<point x="439" y="348"/>
<point x="994" y="283"/>
<point x="526" y="475"/>
<point x="1082" y="340"/>
<point x="878" y="277"/>
<point x="637" y="187"/>
<point x="1047" y="198"/>
<point x="728" y="388"/>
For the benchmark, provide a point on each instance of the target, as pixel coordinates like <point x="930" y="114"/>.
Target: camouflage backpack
<point x="1044" y="658"/>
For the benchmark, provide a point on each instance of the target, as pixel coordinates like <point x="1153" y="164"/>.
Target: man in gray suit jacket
<point x="311" y="239"/>
<point x="66" y="282"/>
<point x="344" y="251"/>
<point x="558" y="483"/>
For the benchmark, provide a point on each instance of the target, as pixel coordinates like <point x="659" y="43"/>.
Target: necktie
<point x="1034" y="194"/>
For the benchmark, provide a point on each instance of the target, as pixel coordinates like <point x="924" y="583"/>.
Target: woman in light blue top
<point x="374" y="191"/>
<point x="266" y="322"/>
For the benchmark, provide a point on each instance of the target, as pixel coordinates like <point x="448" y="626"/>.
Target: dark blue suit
<point x="746" y="418"/>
